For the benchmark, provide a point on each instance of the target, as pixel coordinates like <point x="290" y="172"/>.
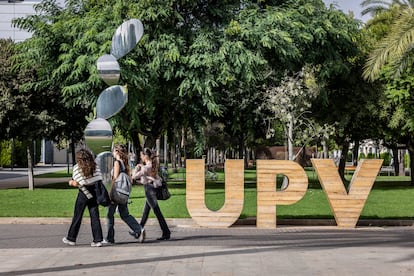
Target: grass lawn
<point x="391" y="198"/>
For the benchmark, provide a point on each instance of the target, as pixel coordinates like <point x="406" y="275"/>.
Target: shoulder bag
<point x="162" y="191"/>
<point x="102" y="196"/>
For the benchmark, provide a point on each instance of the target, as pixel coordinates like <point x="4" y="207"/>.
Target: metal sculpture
<point x="98" y="133"/>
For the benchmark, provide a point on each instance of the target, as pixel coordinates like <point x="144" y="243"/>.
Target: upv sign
<point x="346" y="206"/>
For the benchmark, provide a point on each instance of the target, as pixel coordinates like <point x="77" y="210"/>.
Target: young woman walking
<point x="146" y="173"/>
<point x="85" y="174"/>
<point x="121" y="164"/>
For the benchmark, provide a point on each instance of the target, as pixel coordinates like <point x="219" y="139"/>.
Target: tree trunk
<point x="410" y="147"/>
<point x="184" y="146"/>
<point x="355" y="153"/>
<point x="73" y="149"/>
<point x="342" y="160"/>
<point x="173" y="158"/>
<point x="165" y="151"/>
<point x="411" y="152"/>
<point x="30" y="165"/>
<point x="401" y="162"/>
<point x="395" y="160"/>
<point x="325" y="150"/>
<point x="290" y="140"/>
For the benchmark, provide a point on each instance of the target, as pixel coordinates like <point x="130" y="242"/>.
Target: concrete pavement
<point x="37" y="249"/>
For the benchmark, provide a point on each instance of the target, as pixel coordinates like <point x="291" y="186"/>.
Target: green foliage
<point x="198" y="62"/>
<point x="18" y="151"/>
<point x="394" y="48"/>
<point x="386" y="156"/>
<point x="361" y="156"/>
<point x="5" y="153"/>
<point x="349" y="157"/>
<point x="406" y="161"/>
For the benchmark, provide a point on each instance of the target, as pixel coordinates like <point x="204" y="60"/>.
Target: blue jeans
<point x="152" y="203"/>
<point x="125" y="216"/>
<point x="80" y="205"/>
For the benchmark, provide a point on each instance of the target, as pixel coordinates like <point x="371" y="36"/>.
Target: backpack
<point x="122" y="187"/>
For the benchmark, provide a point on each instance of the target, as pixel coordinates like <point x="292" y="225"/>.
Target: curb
<point x="188" y="222"/>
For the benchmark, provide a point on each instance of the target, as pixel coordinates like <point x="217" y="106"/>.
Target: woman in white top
<point x="146" y="173"/>
<point x="85" y="174"/>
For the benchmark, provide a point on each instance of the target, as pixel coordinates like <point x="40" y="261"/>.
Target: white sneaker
<point x="141" y="238"/>
<point x="96" y="244"/>
<point x="68" y="242"/>
<point x="105" y="241"/>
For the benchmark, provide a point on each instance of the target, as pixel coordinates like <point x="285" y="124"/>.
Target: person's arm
<point x="73" y="183"/>
<point x="144" y="171"/>
<point x="116" y="171"/>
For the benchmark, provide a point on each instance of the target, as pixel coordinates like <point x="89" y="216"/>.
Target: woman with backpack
<point x="147" y="172"/>
<point x="121" y="165"/>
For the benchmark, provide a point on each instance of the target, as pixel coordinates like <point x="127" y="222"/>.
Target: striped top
<point x="78" y="176"/>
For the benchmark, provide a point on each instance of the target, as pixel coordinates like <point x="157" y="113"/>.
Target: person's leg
<point x="110" y="222"/>
<point x="128" y="219"/>
<point x="145" y="214"/>
<point x="163" y="224"/>
<point x="80" y="206"/>
<point x="153" y="203"/>
<point x="95" y="221"/>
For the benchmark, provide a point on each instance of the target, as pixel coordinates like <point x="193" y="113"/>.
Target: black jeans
<point x="125" y="216"/>
<point x="152" y="202"/>
<point x="81" y="202"/>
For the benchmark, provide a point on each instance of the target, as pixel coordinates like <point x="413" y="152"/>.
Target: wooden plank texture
<point x="347" y="206"/>
<point x="268" y="197"/>
<point x="234" y="194"/>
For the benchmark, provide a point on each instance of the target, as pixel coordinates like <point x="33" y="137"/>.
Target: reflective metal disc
<point x="98" y="136"/>
<point x="108" y="69"/>
<point x="105" y="162"/>
<point x="126" y="37"/>
<point x="111" y="101"/>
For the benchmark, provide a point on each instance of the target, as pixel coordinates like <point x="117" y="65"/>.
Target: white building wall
<point x="9" y="11"/>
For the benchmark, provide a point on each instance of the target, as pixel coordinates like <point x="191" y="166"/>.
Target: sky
<point x="349" y="5"/>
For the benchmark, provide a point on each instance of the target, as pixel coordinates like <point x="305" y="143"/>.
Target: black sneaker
<point x="134" y="234"/>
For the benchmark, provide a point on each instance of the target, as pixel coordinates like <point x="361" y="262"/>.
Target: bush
<point x="386" y="156"/>
<point x="20" y="155"/>
<point x="361" y="156"/>
<point x="406" y="160"/>
<point x="349" y="157"/>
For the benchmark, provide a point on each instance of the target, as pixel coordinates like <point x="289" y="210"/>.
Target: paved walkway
<point x="37" y="249"/>
<point x="33" y="246"/>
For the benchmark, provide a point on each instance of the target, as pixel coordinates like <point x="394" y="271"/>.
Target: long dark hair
<point x="86" y="162"/>
<point x="154" y="160"/>
<point x="123" y="155"/>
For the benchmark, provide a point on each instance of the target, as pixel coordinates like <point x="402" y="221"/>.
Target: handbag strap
<point x="121" y="165"/>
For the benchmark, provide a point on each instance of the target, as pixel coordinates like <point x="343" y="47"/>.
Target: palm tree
<point x="376" y="6"/>
<point x="396" y="48"/>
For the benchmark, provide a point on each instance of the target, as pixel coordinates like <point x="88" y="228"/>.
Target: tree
<point x="198" y="62"/>
<point x="24" y="114"/>
<point x="391" y="28"/>
<point x="395" y="48"/>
